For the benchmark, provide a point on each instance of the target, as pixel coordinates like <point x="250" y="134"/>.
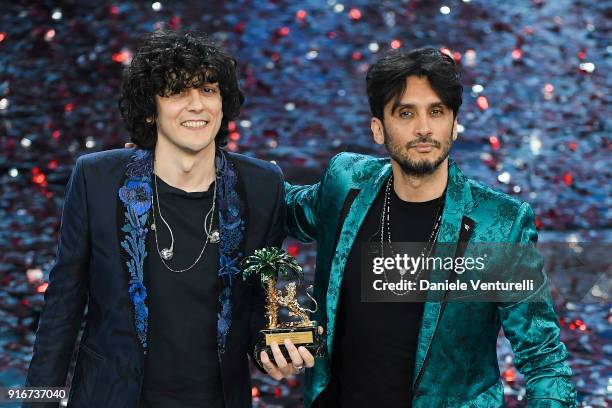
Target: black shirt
<point x="375" y="343"/>
<point x="181" y="365"/>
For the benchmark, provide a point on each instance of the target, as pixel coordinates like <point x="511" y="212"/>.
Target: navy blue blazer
<point x="89" y="271"/>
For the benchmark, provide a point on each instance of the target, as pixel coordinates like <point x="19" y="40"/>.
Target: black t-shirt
<point x="181" y="365"/>
<point x="375" y="343"/>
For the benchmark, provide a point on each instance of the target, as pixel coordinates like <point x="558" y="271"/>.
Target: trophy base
<point x="306" y="336"/>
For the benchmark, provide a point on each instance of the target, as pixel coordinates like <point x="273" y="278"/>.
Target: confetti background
<point x="535" y="124"/>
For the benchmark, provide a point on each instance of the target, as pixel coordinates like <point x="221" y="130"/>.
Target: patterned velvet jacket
<point x="100" y="260"/>
<point x="456" y="363"/>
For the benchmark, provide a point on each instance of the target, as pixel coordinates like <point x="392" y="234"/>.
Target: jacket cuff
<point x="552" y="392"/>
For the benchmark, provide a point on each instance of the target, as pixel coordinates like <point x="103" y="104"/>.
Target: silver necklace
<point x="167" y="253"/>
<point x="385" y="220"/>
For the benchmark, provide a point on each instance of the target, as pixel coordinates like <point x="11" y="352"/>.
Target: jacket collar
<point x="354" y="218"/>
<point x="458" y="202"/>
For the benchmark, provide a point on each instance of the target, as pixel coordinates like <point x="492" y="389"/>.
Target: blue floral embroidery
<point x="136" y="198"/>
<point x="231" y="228"/>
<point x="138" y="292"/>
<point x="141" y="165"/>
<point x="228" y="268"/>
<point x="224" y="319"/>
<point x="136" y="194"/>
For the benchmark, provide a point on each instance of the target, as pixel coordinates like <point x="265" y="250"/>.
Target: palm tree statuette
<point x="270" y="263"/>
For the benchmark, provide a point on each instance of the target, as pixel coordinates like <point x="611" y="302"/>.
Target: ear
<point x="455" y="132"/>
<point x="377" y="131"/>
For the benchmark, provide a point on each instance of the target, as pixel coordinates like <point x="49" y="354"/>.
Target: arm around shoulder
<point x="303" y="205"/>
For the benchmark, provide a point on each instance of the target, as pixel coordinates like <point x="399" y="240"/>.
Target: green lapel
<point x="458" y="202"/>
<point x="351" y="226"/>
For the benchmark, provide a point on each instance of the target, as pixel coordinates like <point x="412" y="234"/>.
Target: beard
<point x="418" y="168"/>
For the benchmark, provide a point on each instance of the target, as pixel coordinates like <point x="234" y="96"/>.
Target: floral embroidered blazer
<point x="99" y="268"/>
<point x="456" y="362"/>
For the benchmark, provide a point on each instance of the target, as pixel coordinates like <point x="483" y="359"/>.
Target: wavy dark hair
<point x="386" y="79"/>
<point x="166" y="63"/>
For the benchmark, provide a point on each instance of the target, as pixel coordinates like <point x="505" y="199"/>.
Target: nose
<point x="423" y="128"/>
<point x="196" y="104"/>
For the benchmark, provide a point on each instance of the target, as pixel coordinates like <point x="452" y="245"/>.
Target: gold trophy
<point x="270" y="263"/>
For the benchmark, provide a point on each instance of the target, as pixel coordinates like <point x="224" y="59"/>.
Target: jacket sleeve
<point x="274" y="237"/>
<point x="533" y="330"/>
<point x="302" y="208"/>
<point x="304" y="202"/>
<point x="66" y="294"/>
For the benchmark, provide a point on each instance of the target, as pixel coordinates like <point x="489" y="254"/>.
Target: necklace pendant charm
<point x="166" y="254"/>
<point x="214" y="237"/>
<point x="152" y="227"/>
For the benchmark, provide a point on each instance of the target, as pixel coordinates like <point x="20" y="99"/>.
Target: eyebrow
<point x="398" y="105"/>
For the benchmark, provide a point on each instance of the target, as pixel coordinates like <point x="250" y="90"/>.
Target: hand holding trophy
<point x="270" y="264"/>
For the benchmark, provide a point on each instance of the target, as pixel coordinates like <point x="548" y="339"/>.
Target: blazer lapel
<point x="350" y="227"/>
<point x="133" y="212"/>
<point x="458" y="202"/>
<point x="232" y="229"/>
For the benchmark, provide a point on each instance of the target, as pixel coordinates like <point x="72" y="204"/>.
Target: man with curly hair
<point x="150" y="242"/>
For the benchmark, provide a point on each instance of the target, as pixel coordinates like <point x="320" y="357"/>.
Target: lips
<point x="423" y="147"/>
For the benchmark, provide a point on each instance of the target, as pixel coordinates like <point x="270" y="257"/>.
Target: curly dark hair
<point x="386" y="79"/>
<point x="166" y="63"/>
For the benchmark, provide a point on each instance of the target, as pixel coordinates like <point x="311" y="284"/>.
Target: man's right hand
<point x="280" y="368"/>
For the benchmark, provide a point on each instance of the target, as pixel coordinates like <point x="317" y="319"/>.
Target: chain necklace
<point x="385" y="220"/>
<point x="167" y="253"/>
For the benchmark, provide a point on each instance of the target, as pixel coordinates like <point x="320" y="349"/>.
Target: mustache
<point x="422" y="140"/>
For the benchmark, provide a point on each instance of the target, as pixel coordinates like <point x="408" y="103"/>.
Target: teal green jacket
<point x="462" y="368"/>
